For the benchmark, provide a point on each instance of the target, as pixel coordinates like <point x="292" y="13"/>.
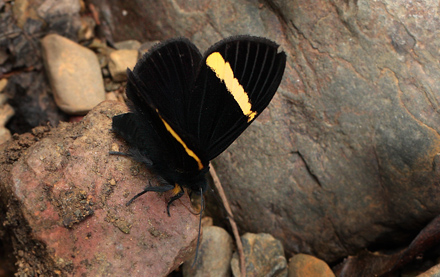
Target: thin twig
<point x="18" y="71"/>
<point x="95" y="14"/>
<point x="222" y="194"/>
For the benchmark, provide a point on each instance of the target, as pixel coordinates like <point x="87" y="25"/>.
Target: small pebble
<point x="86" y="31"/>
<point x="5" y="134"/>
<point x="74" y="74"/>
<point x="214" y="256"/>
<point x="264" y="256"/>
<point x="119" y="61"/>
<point x="3" y="83"/>
<point x="307" y="265"/>
<point x="6" y="112"/>
<point x="111" y="96"/>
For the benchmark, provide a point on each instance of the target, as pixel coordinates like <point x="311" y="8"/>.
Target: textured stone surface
<point x="5" y="134"/>
<point x="346" y="155"/>
<point x="214" y="256"/>
<point x="63" y="201"/>
<point x="74" y="74"/>
<point x="305" y="265"/>
<point x="264" y="256"/>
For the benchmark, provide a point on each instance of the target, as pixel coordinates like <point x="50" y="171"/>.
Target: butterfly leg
<point x="177" y="193"/>
<point x="150" y="188"/>
<point x="135" y="154"/>
<point x="119" y="153"/>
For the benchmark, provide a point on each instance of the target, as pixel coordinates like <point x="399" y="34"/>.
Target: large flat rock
<point x="64" y="197"/>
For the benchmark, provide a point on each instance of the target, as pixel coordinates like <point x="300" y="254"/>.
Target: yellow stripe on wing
<point x="177" y="137"/>
<point x="224" y="72"/>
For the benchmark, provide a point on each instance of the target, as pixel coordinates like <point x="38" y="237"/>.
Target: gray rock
<point x="215" y="254"/>
<point x="74" y="74"/>
<point x="264" y="256"/>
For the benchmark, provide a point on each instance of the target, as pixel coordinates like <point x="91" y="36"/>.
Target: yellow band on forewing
<point x="224" y="72"/>
<point x="176" y="136"/>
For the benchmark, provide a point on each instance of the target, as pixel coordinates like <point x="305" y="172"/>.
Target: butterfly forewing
<point x="223" y="107"/>
<point x="167" y="74"/>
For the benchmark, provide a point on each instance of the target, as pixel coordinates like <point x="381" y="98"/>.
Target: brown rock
<point x="65" y="197"/>
<point x="264" y="256"/>
<point x="74" y="74"/>
<point x="214" y="256"/>
<point x="6" y="112"/>
<point x="119" y="61"/>
<point x="305" y="265"/>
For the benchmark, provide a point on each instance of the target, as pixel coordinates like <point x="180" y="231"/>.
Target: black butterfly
<point x="188" y="109"/>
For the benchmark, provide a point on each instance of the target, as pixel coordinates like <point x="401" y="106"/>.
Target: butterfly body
<point x="188" y="108"/>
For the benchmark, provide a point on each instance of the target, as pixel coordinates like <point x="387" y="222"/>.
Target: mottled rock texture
<point x="62" y="205"/>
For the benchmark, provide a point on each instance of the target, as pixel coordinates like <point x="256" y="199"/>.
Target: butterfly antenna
<point x="200" y="228"/>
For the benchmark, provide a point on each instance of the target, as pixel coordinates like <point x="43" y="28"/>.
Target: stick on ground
<point x="222" y="194"/>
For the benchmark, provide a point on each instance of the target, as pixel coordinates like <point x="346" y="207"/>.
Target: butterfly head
<point x="195" y="182"/>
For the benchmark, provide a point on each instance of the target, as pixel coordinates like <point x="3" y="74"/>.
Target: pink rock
<point x="72" y="196"/>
